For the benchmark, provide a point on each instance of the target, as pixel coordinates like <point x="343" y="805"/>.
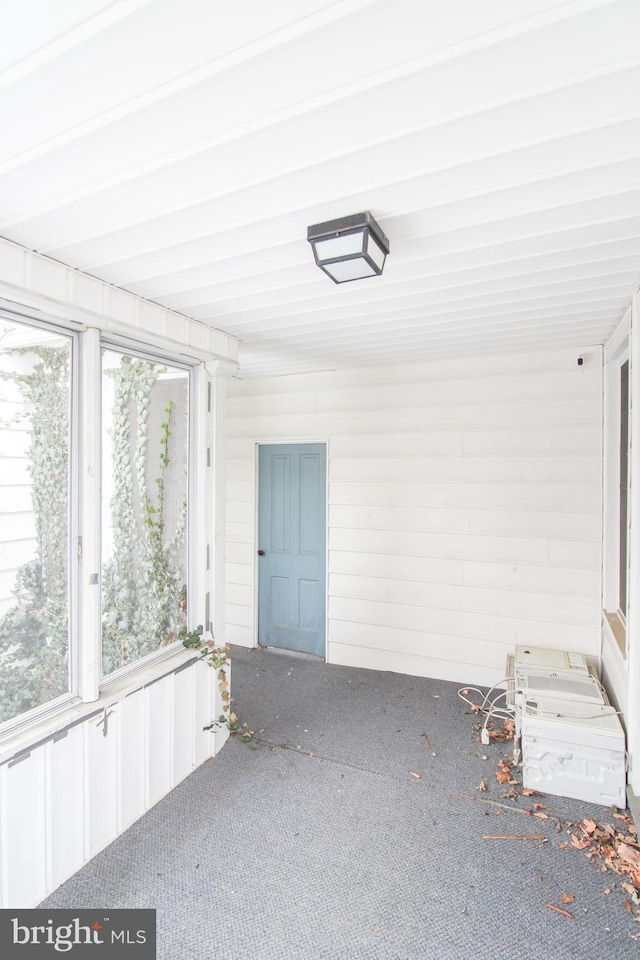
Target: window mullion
<point x="89" y="541"/>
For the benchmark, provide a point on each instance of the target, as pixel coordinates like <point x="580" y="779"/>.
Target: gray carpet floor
<point x="315" y="842"/>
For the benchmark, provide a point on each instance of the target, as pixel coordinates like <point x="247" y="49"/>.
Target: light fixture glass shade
<point x="350" y="248"/>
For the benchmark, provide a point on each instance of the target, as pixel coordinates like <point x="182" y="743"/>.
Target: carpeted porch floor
<point x="317" y="841"/>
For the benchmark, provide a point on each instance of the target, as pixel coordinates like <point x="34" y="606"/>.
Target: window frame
<point x="616" y="356"/>
<point x="86" y="685"/>
<point x="145" y="352"/>
<point x="52" y="707"/>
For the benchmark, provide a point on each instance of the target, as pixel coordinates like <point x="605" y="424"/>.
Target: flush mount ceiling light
<point x="350" y="248"/>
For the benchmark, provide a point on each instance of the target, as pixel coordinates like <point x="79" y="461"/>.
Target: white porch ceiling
<point x="180" y="148"/>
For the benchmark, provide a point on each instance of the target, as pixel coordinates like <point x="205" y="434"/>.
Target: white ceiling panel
<point x="180" y="150"/>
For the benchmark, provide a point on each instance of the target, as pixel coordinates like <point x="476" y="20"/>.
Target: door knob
<point x="261" y="553"/>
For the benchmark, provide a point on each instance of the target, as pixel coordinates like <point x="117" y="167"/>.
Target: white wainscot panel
<point x="70" y="796"/>
<point x="183" y="723"/>
<point x="101" y="770"/>
<point x="205" y="740"/>
<point x="132" y="751"/>
<point x="65" y="814"/>
<point x="23" y="793"/>
<point x="159" y="739"/>
<point x="615" y="673"/>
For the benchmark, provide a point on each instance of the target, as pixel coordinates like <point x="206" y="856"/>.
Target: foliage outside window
<point x="35" y="429"/>
<point x="144" y="507"/>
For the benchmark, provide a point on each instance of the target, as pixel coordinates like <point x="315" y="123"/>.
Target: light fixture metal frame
<point x="362" y="223"/>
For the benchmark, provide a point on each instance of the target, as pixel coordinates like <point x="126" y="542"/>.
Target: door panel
<point x="292" y="541"/>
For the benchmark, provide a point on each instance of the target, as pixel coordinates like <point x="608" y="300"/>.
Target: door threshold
<point x="298" y="654"/>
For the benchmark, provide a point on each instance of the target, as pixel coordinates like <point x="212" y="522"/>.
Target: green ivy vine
<point x="218" y="659"/>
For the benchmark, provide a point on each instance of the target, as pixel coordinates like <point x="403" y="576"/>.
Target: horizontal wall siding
<point x="464" y="507"/>
<point x="68" y="797"/>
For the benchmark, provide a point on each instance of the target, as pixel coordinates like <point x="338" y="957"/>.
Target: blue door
<point x="292" y="546"/>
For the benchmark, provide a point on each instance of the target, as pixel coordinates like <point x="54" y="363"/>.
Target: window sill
<point x="40" y="731"/>
<point x="617" y="630"/>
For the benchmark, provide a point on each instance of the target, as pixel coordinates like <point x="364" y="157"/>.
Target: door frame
<point x="256" y="529"/>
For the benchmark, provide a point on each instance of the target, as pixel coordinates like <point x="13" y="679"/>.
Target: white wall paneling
<point x="101" y="778"/>
<point x="65" y="811"/>
<point x="23" y="829"/>
<point x="66" y="797"/>
<point x="464" y="506"/>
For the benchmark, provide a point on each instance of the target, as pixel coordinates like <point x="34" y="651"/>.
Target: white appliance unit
<point x="574" y="749"/>
<point x="570" y="738"/>
<point x="559" y="662"/>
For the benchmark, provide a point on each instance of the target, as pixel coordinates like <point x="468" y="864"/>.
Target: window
<point x="36" y="369"/>
<point x="145" y="444"/>
<point x="137" y="418"/>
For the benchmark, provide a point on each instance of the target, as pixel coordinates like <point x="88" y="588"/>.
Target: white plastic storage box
<point x="574" y="749"/>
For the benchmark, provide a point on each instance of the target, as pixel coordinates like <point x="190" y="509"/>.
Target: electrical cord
<point x="488" y="708"/>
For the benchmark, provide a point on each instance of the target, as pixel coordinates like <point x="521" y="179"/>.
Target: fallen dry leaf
<point x="418" y="776"/>
<point x="628" y="854"/>
<point x="527" y="792"/>
<point x="607" y="891"/>
<point x="578" y="843"/>
<point x="588" y="826"/>
<point x="539" y="806"/>
<point x="628" y="907"/>
<point x="629" y="888"/>
<point x="543" y="816"/>
<point x="482" y="786"/>
<point x="567" y="898"/>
